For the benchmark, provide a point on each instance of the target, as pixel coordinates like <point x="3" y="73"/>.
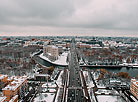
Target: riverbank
<point x="62" y="59"/>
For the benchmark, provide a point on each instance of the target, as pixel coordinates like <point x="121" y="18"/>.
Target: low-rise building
<point x="42" y="77"/>
<point x="134" y="87"/>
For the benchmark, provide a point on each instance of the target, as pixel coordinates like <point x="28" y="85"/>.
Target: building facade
<point x="3" y="81"/>
<point x="16" y="87"/>
<point x="51" y="52"/>
<point x="134" y="87"/>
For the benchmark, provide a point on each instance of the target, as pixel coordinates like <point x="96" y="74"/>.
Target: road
<point x="75" y="89"/>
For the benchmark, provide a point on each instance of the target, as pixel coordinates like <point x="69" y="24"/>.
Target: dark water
<point x="132" y="71"/>
<point x="46" y="63"/>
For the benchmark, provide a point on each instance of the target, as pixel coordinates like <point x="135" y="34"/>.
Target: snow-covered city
<point x="67" y="69"/>
<point x="68" y="51"/>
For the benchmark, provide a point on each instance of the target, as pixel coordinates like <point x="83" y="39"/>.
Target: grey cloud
<point x="115" y="15"/>
<point x="31" y="12"/>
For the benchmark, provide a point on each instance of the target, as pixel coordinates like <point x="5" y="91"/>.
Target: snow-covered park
<point x="62" y="59"/>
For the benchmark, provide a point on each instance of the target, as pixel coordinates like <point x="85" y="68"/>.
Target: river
<point x="132" y="71"/>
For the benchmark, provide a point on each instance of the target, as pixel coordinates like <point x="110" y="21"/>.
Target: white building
<point x="51" y="52"/>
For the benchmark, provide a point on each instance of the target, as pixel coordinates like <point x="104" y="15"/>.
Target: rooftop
<point x="136" y="83"/>
<point x="13" y="98"/>
<point x="15" y="83"/>
<point x="2" y="76"/>
<point x="2" y="98"/>
<point x="52" y="46"/>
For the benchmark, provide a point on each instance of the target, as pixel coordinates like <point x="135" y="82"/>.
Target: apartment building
<point x="14" y="88"/>
<point x="3" y="80"/>
<point x="134" y="87"/>
<point x="51" y="52"/>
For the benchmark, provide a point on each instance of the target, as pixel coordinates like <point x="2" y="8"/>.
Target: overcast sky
<point x="69" y="17"/>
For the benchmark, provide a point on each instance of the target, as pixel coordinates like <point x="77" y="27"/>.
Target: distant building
<point x="51" y="52"/>
<point x="134" y="87"/>
<point x="6" y="38"/>
<point x="27" y="43"/>
<point x="83" y="45"/>
<point x="46" y="42"/>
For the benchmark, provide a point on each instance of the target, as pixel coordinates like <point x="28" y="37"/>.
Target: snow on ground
<point x="60" y="61"/>
<point x="49" y="90"/>
<point x="90" y="91"/>
<point x="50" y="84"/>
<point x="59" y="83"/>
<point x="85" y="73"/>
<point x="87" y="79"/>
<point x="56" y="99"/>
<point x="95" y="75"/>
<point x="52" y="90"/>
<point x="100" y="84"/>
<point x="59" y="80"/>
<point x="109" y="98"/>
<point x="30" y="75"/>
<point x="44" y="97"/>
<point x="90" y="84"/>
<point x="100" y="91"/>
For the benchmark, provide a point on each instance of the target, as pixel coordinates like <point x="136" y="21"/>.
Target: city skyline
<point x="71" y="18"/>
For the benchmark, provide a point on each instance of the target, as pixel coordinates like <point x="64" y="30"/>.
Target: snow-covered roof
<point x="52" y="46"/>
<point x="13" y="98"/>
<point x="136" y="83"/>
<point x="2" y="98"/>
<point x="44" y="75"/>
<point x="15" y="83"/>
<point x="2" y="76"/>
<point x="10" y="78"/>
<point x="114" y="80"/>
